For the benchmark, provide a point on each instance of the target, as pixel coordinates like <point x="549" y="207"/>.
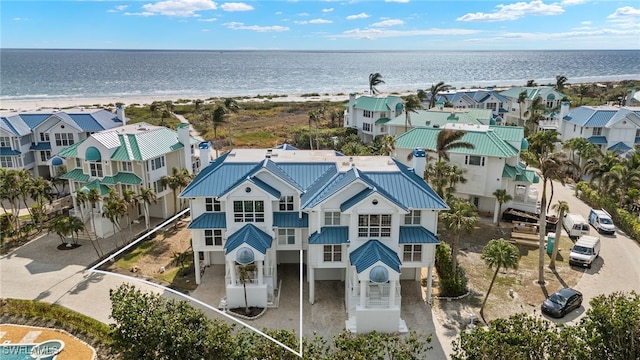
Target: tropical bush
<point x="450" y="284"/>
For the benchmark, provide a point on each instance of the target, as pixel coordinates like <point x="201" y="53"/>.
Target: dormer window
<point x="374" y="225"/>
<point x="286" y="203"/>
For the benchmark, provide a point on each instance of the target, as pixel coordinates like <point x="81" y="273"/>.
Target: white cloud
<point x="314" y="21"/>
<point x="586" y="23"/>
<point x="19" y="19"/>
<point x="397" y="1"/>
<point x="144" y="13"/>
<point x="572" y="2"/>
<point x="304" y="14"/>
<point x="208" y="20"/>
<point x="625" y="12"/>
<point x="183" y="8"/>
<point x="327" y="10"/>
<point x="358" y="16"/>
<point x="373" y="34"/>
<point x="230" y="7"/>
<point x="121" y="7"/>
<point x="515" y="11"/>
<point x="626" y="17"/>
<point x="205" y="30"/>
<point x="577" y="34"/>
<point x="257" y="28"/>
<point x="387" y="23"/>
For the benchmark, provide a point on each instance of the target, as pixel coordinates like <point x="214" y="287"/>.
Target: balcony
<point x="377" y="297"/>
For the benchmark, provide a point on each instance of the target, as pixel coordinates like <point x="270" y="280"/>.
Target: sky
<point x="321" y="25"/>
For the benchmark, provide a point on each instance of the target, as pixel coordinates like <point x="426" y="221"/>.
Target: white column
<point x="495" y="212"/>
<point x="363" y="293"/>
<point x="260" y="272"/>
<point x="429" y="275"/>
<point x="232" y="271"/>
<point x="312" y="284"/>
<point x="196" y="262"/>
<point x="392" y="294"/>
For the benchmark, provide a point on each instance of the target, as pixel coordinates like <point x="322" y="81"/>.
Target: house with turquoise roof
<point x="516" y="111"/>
<point x="611" y="128"/>
<point x="437" y="117"/>
<point x="368" y="222"/>
<point x="370" y="113"/>
<point x="30" y="140"/>
<point x="130" y="157"/>
<point x="493" y="164"/>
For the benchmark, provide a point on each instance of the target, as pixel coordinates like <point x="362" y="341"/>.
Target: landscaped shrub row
<point x="623" y="219"/>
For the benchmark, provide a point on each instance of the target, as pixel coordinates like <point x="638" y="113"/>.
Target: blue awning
<point x="417" y="235"/>
<point x="330" y="235"/>
<point x="598" y="140"/>
<point x="290" y="220"/>
<point x="41" y="146"/>
<point x="7" y="151"/>
<point x="216" y="220"/>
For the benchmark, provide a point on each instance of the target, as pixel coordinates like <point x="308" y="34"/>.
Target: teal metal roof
<point x="416" y="235"/>
<point x="509" y="133"/>
<point x="95" y="184"/>
<point x="249" y="235"/>
<point x="437" y="119"/>
<point x="290" y="220"/>
<point x="7" y="151"/>
<point x="216" y="181"/>
<point x="330" y="235"/>
<point x="41" y="146"/>
<point x="378" y="104"/>
<point x="382" y="121"/>
<point x="529" y="176"/>
<point x="598" y="140"/>
<point x="71" y="151"/>
<point x="210" y="220"/>
<point x="532" y="92"/>
<point x="122" y="178"/>
<point x="76" y="175"/>
<point x="405" y="189"/>
<point x="306" y="174"/>
<point x="370" y="253"/>
<point x="331" y="187"/>
<point x="487" y="143"/>
<point x="149" y="144"/>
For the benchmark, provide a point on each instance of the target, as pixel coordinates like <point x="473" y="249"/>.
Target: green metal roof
<point x="147" y="145"/>
<point x="432" y="118"/>
<point x="375" y="103"/>
<point x="71" y="151"/>
<point x="76" y="175"/>
<point x="509" y="133"/>
<point x="382" y="121"/>
<point x="95" y="184"/>
<point x="529" y="176"/>
<point x="487" y="143"/>
<point x="122" y="178"/>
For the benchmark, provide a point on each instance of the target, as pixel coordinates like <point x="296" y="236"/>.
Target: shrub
<point x="450" y="284"/>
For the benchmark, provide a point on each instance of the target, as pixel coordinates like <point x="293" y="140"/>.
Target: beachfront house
<point x="437" y="117"/>
<point x="487" y="99"/>
<point x="133" y="157"/>
<point x="493" y="164"/>
<point x="612" y="128"/>
<point x="29" y="140"/>
<point x="368" y="221"/>
<point x="370" y="113"/>
<point x="551" y="98"/>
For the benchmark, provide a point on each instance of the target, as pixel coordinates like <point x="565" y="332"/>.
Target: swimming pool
<point x="43" y="351"/>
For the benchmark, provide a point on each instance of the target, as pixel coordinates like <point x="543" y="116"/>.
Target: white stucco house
<point x="367" y="221"/>
<point x="369" y="113"/>
<point x="493" y="164"/>
<point x="130" y="157"/>
<point x="551" y="98"/>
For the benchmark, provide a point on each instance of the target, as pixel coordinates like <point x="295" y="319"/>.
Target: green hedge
<point x="623" y="219"/>
<point x="450" y="284"/>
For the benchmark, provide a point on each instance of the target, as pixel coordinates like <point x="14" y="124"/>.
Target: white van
<point x="575" y="225"/>
<point x="601" y="221"/>
<point x="584" y="251"/>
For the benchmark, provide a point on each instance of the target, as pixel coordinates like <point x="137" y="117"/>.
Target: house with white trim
<point x="551" y="97"/>
<point x="130" y="157"/>
<point x="487" y="99"/>
<point x="612" y="128"/>
<point x="29" y="140"/>
<point x="437" y="117"/>
<point x="493" y="164"/>
<point x="369" y="113"/>
<point x="367" y="221"/>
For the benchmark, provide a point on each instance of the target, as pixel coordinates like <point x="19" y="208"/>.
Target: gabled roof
<point x="250" y="235"/>
<point x="598" y="140"/>
<point x="601" y="116"/>
<point x="370" y="253"/>
<point x="330" y="235"/>
<point x="14" y="125"/>
<point x="375" y="103"/>
<point x="286" y="146"/>
<point x="41" y="146"/>
<point x="216" y="181"/>
<point x="122" y="178"/>
<point x="82" y="120"/>
<point x="416" y="235"/>
<point x="7" y="151"/>
<point x="437" y="118"/>
<point x="533" y="92"/>
<point x="76" y="175"/>
<point x="264" y="186"/>
<point x="487" y="142"/>
<point x="290" y="219"/>
<point x="209" y="220"/>
<point x="619" y="147"/>
<point x="96" y="184"/>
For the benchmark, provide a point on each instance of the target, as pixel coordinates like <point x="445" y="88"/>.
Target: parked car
<point x="585" y="251"/>
<point x="601" y="221"/>
<point x="575" y="225"/>
<point x="562" y="302"/>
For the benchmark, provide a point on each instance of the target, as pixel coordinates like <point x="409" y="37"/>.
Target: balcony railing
<point x="378" y="295"/>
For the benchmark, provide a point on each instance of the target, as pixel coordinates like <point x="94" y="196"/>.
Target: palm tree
<point x="502" y="197"/>
<point x="620" y="179"/>
<point x="453" y="176"/>
<point x="501" y="254"/>
<point x="375" y="79"/>
<point x="230" y="107"/>
<point x="176" y="181"/>
<point x="217" y="120"/>
<point x="314" y="117"/>
<point x="60" y="226"/>
<point x="522" y="99"/>
<point x="583" y="91"/>
<point x="597" y="167"/>
<point x="130" y="199"/>
<point x="411" y="104"/>
<point x="535" y="113"/>
<point x="462" y="217"/>
<point x="198" y="105"/>
<point x="544" y="142"/>
<point x="153" y="108"/>
<point x="245" y="275"/>
<point x="40" y="192"/>
<point x="531" y="83"/>
<point x="113" y="209"/>
<point x="388" y="143"/>
<point x="93" y="197"/>
<point x="561" y="207"/>
<point x="147" y="197"/>
<point x="449" y="139"/>
<point x="561" y="80"/>
<point x="435" y="89"/>
<point x="75" y="227"/>
<point x="10" y="190"/>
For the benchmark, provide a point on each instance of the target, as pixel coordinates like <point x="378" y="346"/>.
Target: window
<point x="574" y="128"/>
<point x="159" y="186"/>
<point x="331" y="218"/>
<point x="126" y="166"/>
<point x="412" y="252"/>
<point x="44" y="137"/>
<point x="157" y="163"/>
<point x="374" y="225"/>
<point x="5" y="162"/>
<point x="367" y="113"/>
<point x="248" y="211"/>
<point x="286" y="236"/>
<point x="45" y="155"/>
<point x="332" y="253"/>
<point x="474" y="160"/>
<point x="5" y="141"/>
<point x="597" y="131"/>
<point x="79" y="163"/>
<point x="213" y="237"/>
<point x="366" y="127"/>
<point x="64" y="139"/>
<point x="286" y="203"/>
<point x="638" y="133"/>
<point x="412" y="218"/>
<point x="96" y="169"/>
<point x="212" y="204"/>
<point x="492" y="106"/>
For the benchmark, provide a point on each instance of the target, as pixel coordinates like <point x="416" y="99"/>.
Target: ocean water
<point x="58" y="74"/>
